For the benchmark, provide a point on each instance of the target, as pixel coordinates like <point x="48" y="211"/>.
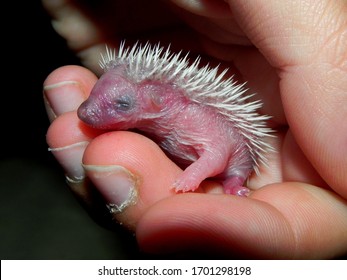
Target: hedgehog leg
<point x="234" y="185"/>
<point x="208" y="165"/>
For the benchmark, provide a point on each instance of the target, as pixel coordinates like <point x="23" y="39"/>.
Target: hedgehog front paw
<point x="181" y="185"/>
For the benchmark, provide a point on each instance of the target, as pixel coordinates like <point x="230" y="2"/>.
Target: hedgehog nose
<point x="87" y="114"/>
<point x="82" y="111"/>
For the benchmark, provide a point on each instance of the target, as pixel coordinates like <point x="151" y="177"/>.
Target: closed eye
<point x="124" y="103"/>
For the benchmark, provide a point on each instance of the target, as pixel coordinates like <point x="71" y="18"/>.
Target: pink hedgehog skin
<point x="197" y="136"/>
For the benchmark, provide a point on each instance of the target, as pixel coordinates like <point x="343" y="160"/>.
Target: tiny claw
<point x="238" y="190"/>
<point x="179" y="186"/>
<point x="234" y="185"/>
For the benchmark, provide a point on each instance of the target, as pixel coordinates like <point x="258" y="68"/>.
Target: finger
<point x="278" y="221"/>
<point x="68" y="138"/>
<point x="79" y="25"/>
<point x="87" y="27"/>
<point x="131" y="172"/>
<point x="73" y="23"/>
<point x="66" y="88"/>
<point x="210" y="9"/>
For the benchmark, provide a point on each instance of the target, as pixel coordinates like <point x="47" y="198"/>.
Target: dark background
<point x="39" y="217"/>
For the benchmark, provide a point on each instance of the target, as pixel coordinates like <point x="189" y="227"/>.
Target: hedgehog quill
<point x="203" y="120"/>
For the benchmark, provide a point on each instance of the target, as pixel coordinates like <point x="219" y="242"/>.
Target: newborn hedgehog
<point x="200" y="119"/>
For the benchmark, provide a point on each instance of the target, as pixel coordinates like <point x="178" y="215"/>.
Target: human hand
<point x="294" y="57"/>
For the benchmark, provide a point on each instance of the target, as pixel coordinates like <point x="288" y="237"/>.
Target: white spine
<point x="201" y="85"/>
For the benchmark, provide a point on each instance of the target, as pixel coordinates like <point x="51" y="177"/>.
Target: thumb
<point x="308" y="49"/>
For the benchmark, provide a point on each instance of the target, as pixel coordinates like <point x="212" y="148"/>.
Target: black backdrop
<point x="39" y="218"/>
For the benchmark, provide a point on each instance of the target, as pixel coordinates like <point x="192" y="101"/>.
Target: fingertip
<point x="67" y="130"/>
<point x="66" y="88"/>
<point x="72" y="72"/>
<point x="67" y="138"/>
<point x="131" y="172"/>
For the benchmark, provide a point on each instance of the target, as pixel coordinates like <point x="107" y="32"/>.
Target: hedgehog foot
<point x="233" y="185"/>
<point x="208" y="165"/>
<point x="187" y="182"/>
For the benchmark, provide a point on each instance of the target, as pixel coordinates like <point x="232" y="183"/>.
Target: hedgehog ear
<point x="156" y="99"/>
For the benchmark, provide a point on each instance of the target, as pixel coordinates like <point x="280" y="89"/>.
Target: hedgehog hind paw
<point x="237" y="190"/>
<point x="234" y="186"/>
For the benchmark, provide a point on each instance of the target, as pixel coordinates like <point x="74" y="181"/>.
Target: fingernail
<point x="70" y="158"/>
<point x="62" y="97"/>
<point x="116" y="183"/>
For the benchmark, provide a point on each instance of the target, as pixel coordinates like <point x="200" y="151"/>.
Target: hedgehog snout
<point x="88" y="113"/>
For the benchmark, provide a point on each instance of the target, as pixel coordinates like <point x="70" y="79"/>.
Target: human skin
<point x="293" y="54"/>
